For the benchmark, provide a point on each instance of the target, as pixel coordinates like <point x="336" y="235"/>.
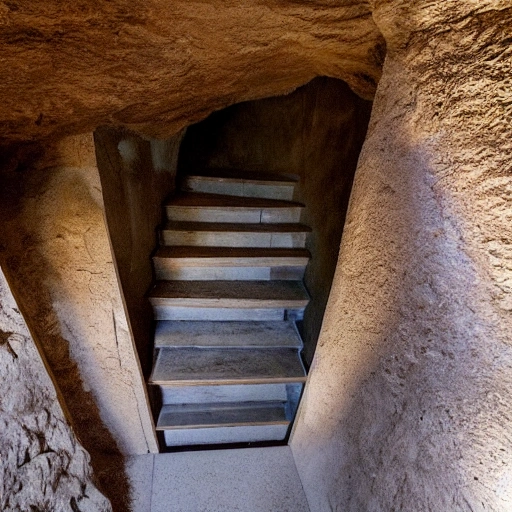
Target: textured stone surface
<point x="155" y="66"/>
<point x="55" y="251"/>
<point x="42" y="464"/>
<point x="408" y="407"/>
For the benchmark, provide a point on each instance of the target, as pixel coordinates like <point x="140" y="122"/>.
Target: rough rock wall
<point x="315" y="132"/>
<point x="55" y="251"/>
<point x="42" y="465"/>
<point x="408" y="405"/>
<point x="156" y="66"/>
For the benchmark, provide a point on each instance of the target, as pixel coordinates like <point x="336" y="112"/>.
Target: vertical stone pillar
<point x="408" y="406"/>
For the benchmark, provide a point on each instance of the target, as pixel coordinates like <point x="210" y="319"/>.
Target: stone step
<point x="227" y="366"/>
<point x="221" y="301"/>
<point x="235" y="235"/>
<point x="219" y="394"/>
<point x="209" y="263"/>
<point x="227" y="414"/>
<point x="223" y="423"/>
<point x="199" y="207"/>
<point x="243" y="184"/>
<point x="227" y="334"/>
<point x="222" y="294"/>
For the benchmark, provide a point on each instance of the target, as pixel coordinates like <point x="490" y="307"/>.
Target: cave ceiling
<point x="154" y="66"/>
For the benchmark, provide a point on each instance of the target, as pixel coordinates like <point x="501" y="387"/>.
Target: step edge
<point x="222" y="425"/>
<point x="251" y="181"/>
<point x="230" y="227"/>
<point x="298" y="379"/>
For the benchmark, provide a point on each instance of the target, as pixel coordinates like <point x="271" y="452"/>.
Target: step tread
<point x="234" y="227"/>
<point x="205" y="200"/>
<point x="196" y="366"/>
<point x="247" y="176"/>
<point x="221" y="415"/>
<point x="226" y="334"/>
<point x="218" y="293"/>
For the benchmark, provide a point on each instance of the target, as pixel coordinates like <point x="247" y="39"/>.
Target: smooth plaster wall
<point x="408" y="404"/>
<point x="43" y="465"/>
<point x="55" y="252"/>
<point x="316" y="132"/>
<point x="136" y="176"/>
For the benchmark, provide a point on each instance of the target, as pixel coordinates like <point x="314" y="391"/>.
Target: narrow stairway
<point x="228" y="292"/>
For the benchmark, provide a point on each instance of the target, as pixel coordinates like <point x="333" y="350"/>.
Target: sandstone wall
<point x="42" y="464"/>
<point x="55" y="251"/>
<point x="408" y="404"/>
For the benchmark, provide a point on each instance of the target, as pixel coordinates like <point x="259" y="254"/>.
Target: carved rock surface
<point x="43" y="466"/>
<point x="69" y="67"/>
<point x="408" y="406"/>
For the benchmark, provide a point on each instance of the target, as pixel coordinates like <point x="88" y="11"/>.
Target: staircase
<point x="228" y="292"/>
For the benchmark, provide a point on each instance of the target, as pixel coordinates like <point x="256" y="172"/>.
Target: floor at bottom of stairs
<point x="244" y="480"/>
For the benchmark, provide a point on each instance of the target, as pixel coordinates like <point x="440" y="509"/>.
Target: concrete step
<point x="229" y="263"/>
<point x="232" y="422"/>
<point x="199" y="207"/>
<point x="220" y="394"/>
<point x="226" y="414"/>
<point x="243" y="184"/>
<point x="234" y="235"/>
<point x="227" y="334"/>
<point x="228" y="366"/>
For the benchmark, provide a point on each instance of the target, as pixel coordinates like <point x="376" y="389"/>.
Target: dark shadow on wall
<point x="315" y="132"/>
<point x="136" y="176"/>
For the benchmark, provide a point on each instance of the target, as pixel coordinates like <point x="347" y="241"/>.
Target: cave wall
<point x="43" y="465"/>
<point x="408" y="404"/>
<point x="55" y="252"/>
<point x="316" y="133"/>
<point x="408" y="401"/>
<point x="136" y="176"/>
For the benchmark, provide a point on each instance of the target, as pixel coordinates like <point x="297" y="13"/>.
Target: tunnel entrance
<point x="316" y="133"/>
<point x="313" y="135"/>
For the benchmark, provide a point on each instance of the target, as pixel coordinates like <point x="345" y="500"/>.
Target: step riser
<point x="217" y="314"/>
<point x="174" y="395"/>
<point x="240" y="189"/>
<point x="234" y="239"/>
<point x="202" y="273"/>
<point x="238" y="215"/>
<point x="224" y="435"/>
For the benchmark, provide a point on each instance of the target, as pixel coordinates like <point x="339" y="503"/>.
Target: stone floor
<point x="244" y="480"/>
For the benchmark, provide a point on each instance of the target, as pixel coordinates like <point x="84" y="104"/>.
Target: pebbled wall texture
<point x="408" y="406"/>
<point x="42" y="465"/>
